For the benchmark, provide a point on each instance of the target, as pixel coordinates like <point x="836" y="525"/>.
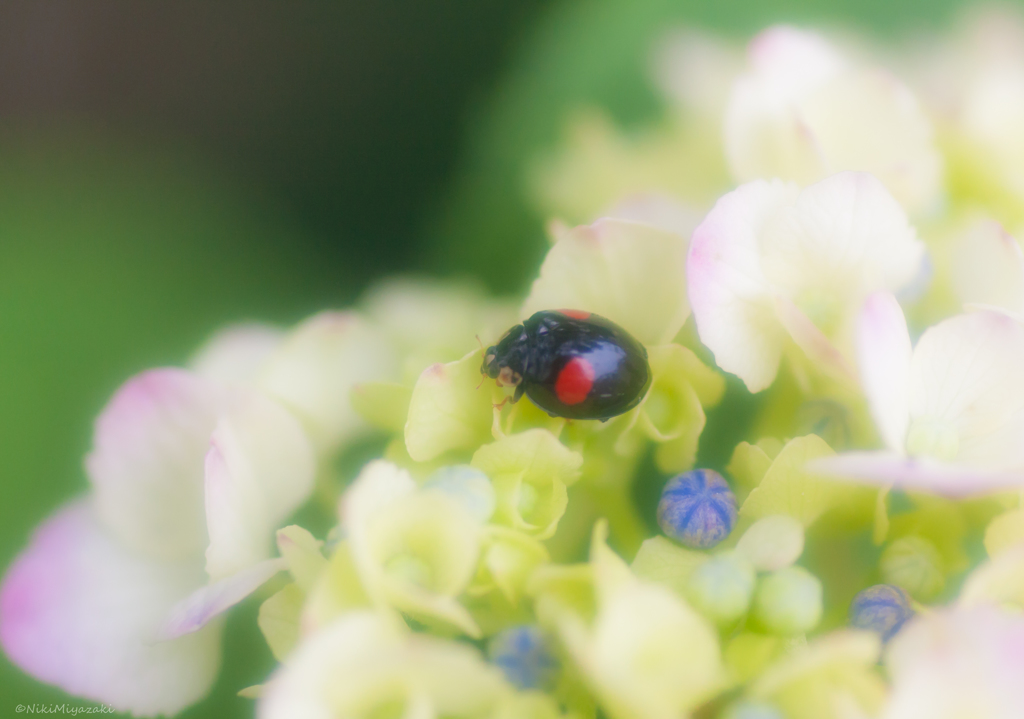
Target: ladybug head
<point x="504" y="360"/>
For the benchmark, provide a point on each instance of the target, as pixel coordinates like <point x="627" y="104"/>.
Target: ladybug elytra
<point x="571" y="364"/>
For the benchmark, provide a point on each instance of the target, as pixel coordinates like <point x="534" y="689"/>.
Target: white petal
<point x="889" y="468"/>
<point x="843" y="238"/>
<point x="765" y="134"/>
<point x="146" y="465"/>
<point x="988" y="267"/>
<point x="631" y="273"/>
<point x="868" y="120"/>
<point x="883" y="358"/>
<point x="966" y="377"/>
<point x="236" y="354"/>
<point x="79" y="611"/>
<point x="196" y="610"/>
<point x="731" y="300"/>
<point x="259" y="469"/>
<point x="314" y="369"/>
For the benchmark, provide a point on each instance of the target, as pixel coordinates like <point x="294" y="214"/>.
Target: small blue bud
<point x="468" y="485"/>
<point x="525" y="656"/>
<point x="697" y="508"/>
<point x="882" y="608"/>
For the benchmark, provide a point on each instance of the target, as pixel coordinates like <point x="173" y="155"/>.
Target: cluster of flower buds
<point x="814" y="252"/>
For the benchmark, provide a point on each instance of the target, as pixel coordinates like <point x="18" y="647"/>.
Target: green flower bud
<point x="915" y="565"/>
<point x="788" y="601"/>
<point x="721" y="588"/>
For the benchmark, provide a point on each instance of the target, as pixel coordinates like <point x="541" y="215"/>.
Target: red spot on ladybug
<point x="574" y="381"/>
<point x="576" y="314"/>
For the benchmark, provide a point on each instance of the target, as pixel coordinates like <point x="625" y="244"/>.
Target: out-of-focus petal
<point x="883" y="358"/>
<point x="315" y="367"/>
<point x="967" y="388"/>
<point x="259" y="469"/>
<point x="842" y="238"/>
<point x="765" y="134"/>
<point x="197" y="609"/>
<point x="629" y="272"/>
<point x="731" y="299"/>
<point x="236" y="354"/>
<point x="800" y="114"/>
<point x="988" y="267"/>
<point x="953" y="664"/>
<point x="78" y="610"/>
<point x="659" y="211"/>
<point x="146" y="465"/>
<point x="868" y="120"/>
<point x="997" y="582"/>
<point x="922" y="473"/>
<point x="363" y="665"/>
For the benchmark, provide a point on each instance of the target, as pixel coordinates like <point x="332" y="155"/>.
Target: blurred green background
<point x="167" y="167"/>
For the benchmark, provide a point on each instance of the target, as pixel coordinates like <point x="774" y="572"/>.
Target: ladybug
<point x="572" y="364"/>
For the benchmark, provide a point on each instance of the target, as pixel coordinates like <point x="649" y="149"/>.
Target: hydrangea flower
<point x="949" y="410"/>
<point x="803" y="111"/>
<point x="772" y="266"/>
<point x="489" y="523"/>
<point x="117" y="595"/>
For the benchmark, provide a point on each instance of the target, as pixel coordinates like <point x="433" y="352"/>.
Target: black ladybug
<point x="572" y="364"/>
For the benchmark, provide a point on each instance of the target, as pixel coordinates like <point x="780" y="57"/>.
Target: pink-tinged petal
<point x="146" y="465"/>
<point x="730" y="298"/>
<point x="889" y="468"/>
<point x="765" y="134"/>
<point x="79" y="611"/>
<point x="236" y="354"/>
<point x="259" y="469"/>
<point x="793" y="60"/>
<point x="883" y="358"/>
<point x="955" y="663"/>
<point x="966" y="380"/>
<point x="818" y="348"/>
<point x="195" y="611"/>
<point x="988" y="267"/>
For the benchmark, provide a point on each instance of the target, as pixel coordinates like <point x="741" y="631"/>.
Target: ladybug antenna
<point x="479" y="342"/>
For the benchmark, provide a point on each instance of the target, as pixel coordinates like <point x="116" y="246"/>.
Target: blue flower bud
<point x="789" y="601"/>
<point x="525" y="656"/>
<point x="697" y="508"/>
<point x="746" y="709"/>
<point x="883" y="608"/>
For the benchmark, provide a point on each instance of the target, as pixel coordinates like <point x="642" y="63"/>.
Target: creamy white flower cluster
<point x="812" y="246"/>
